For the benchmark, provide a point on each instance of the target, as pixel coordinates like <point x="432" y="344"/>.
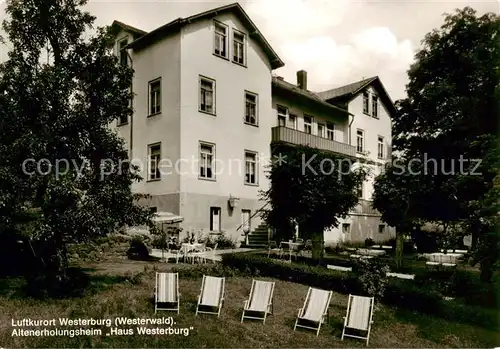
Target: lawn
<point x="124" y="288"/>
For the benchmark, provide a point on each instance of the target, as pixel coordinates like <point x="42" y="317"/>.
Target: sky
<point x="336" y="41"/>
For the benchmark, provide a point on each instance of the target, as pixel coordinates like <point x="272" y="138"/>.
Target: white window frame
<point x="321" y="130"/>
<point x="243" y="44"/>
<point x="308" y="125"/>
<point x="221" y="39"/>
<point x="156" y="98"/>
<point x="375" y="106"/>
<point x="251" y="165"/>
<point x="366" y="102"/>
<point x="380" y="147"/>
<point x="330" y="131"/>
<point x="206" y="159"/>
<point x="360" y="146"/>
<point x="200" y="94"/>
<point x="156" y="175"/>
<point x="219" y="211"/>
<point x="248" y="118"/>
<point x="244" y="221"/>
<point x="280" y="115"/>
<point x="124" y="52"/>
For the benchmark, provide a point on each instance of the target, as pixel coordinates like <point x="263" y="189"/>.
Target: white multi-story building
<point x="206" y="111"/>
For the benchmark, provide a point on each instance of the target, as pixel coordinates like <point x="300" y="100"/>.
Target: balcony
<point x="364" y="207"/>
<point x="292" y="136"/>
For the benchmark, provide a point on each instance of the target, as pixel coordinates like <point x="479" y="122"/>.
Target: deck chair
<point x="359" y="316"/>
<point x="211" y="294"/>
<point x="315" y="309"/>
<point x="167" y="292"/>
<point x="259" y="301"/>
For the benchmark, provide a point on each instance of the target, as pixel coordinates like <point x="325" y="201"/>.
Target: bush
<point x="369" y="242"/>
<point x="138" y="249"/>
<point x="404" y="294"/>
<point x="47" y="284"/>
<point x="373" y="277"/>
<point x="223" y="241"/>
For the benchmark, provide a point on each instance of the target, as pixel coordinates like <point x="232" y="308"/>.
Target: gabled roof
<point x="136" y="31"/>
<point x="175" y="25"/>
<point x="350" y="91"/>
<point x="281" y="84"/>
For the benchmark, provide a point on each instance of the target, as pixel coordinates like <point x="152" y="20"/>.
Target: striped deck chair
<point x="359" y="316"/>
<point x="211" y="294"/>
<point x="260" y="300"/>
<point x="167" y="292"/>
<point x="315" y="309"/>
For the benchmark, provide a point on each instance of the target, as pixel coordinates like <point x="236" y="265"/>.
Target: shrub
<point x="369" y="242"/>
<point x="373" y="277"/>
<point x="138" y="249"/>
<point x="223" y="241"/>
<point x="218" y="270"/>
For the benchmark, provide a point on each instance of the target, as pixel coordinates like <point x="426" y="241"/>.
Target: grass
<point x="115" y="292"/>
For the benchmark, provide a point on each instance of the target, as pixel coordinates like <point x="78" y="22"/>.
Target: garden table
<point x="187" y="247"/>
<point x="292" y="247"/>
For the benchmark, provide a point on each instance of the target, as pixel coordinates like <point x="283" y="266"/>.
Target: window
<point x="238" y="47"/>
<point x="282" y="115"/>
<point x="293" y="121"/>
<point x="155" y="97"/>
<point x="380" y="147"/>
<point x="360" y="141"/>
<point x="330" y="131"/>
<point x="207" y="161"/>
<point x="250" y="168"/>
<point x="220" y="40"/>
<point x="215" y="219"/>
<point x="307" y="124"/>
<point x="360" y="191"/>
<point x="122" y="52"/>
<point x="245" y="220"/>
<point x="153" y="209"/>
<point x="154" y="154"/>
<point x="207" y="95"/>
<point x="321" y="130"/>
<point x="123" y="119"/>
<point x="381" y="228"/>
<point x="366" y="102"/>
<point x="250" y="108"/>
<point x="375" y="106"/>
<point x="346" y="228"/>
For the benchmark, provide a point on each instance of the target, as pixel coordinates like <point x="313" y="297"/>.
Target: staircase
<point x="259" y="237"/>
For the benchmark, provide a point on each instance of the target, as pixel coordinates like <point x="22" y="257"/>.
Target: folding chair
<point x="211" y="294"/>
<point x="315" y="308"/>
<point x="167" y="291"/>
<point x="359" y="316"/>
<point x="273" y="248"/>
<point x="260" y="300"/>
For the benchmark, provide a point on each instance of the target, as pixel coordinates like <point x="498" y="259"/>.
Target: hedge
<point x="400" y="293"/>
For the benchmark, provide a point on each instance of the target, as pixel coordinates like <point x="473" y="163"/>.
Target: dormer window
<point x="238" y="47"/>
<point x="220" y="40"/>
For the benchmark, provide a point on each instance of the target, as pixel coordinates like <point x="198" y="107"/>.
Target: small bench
<point x="356" y="256"/>
<point x="402" y="276"/>
<point x="337" y="267"/>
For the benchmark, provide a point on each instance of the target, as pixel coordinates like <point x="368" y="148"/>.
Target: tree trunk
<point x="318" y="246"/>
<point x="399" y="249"/>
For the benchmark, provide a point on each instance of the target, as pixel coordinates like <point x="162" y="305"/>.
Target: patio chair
<point x="315" y="309"/>
<point x="434" y="261"/>
<point x="167" y="292"/>
<point x="273" y="248"/>
<point x="199" y="254"/>
<point x="211" y="294"/>
<point x="259" y="301"/>
<point x="359" y="316"/>
<point x="209" y="253"/>
<point x="173" y="252"/>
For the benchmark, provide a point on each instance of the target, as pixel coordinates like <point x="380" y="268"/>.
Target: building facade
<point x="206" y="111"/>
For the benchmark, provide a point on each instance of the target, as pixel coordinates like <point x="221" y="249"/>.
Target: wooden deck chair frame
<point x="303" y="310"/>
<point x="157" y="292"/>
<point x="204" y="289"/>
<point x="268" y="306"/>
<point x="347" y="319"/>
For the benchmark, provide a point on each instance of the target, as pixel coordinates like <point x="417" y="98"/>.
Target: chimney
<point x="302" y="79"/>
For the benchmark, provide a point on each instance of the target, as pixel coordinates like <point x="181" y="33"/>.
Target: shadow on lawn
<point x="80" y="283"/>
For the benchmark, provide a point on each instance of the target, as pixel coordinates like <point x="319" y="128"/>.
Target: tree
<point x="448" y="121"/>
<point x="60" y="90"/>
<point x="312" y="187"/>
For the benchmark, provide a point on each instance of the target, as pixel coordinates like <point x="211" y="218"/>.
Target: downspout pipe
<point x="350" y="114"/>
<point x="132" y="106"/>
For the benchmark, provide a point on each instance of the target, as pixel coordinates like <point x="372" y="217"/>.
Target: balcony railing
<point x="292" y="136"/>
<point x="365" y="207"/>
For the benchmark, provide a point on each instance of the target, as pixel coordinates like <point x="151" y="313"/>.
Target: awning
<point x="167" y="217"/>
